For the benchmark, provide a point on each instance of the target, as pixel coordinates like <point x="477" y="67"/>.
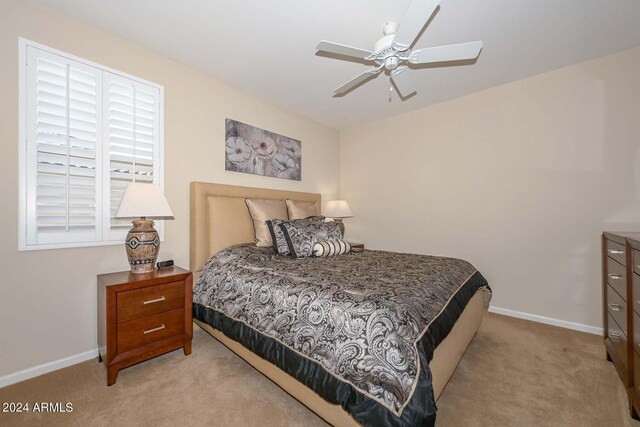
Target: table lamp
<point x="338" y="209"/>
<point x="143" y="201"/>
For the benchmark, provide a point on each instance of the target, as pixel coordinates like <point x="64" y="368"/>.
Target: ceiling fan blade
<point x="371" y="72"/>
<point x="452" y="52"/>
<point x="341" y="49"/>
<point x="403" y="81"/>
<point x="416" y="17"/>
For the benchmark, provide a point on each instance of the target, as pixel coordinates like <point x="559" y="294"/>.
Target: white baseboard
<point x="547" y="320"/>
<point x="36" y="371"/>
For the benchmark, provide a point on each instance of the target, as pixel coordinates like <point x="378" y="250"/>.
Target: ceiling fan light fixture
<point x="392" y="52"/>
<point x="391" y="63"/>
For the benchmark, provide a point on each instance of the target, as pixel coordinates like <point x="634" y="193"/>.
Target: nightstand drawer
<point x="139" y="332"/>
<point x="616" y="251"/>
<point x="145" y="301"/>
<point x="636" y="262"/>
<point x="617" y="277"/>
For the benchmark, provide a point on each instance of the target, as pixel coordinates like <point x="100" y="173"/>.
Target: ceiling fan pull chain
<point x="390" y="92"/>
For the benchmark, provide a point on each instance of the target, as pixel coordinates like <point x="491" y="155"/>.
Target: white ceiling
<point x="267" y="47"/>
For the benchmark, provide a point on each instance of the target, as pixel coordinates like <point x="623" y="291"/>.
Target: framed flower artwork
<point x="249" y="149"/>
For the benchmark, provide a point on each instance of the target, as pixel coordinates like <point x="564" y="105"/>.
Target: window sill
<point x="25" y="248"/>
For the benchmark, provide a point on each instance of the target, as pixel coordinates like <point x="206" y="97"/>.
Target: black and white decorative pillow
<point x="331" y="248"/>
<point x="301" y="238"/>
<point x="279" y="242"/>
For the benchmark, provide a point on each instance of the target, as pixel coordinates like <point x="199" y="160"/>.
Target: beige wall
<point x="520" y="180"/>
<point x="48" y="298"/>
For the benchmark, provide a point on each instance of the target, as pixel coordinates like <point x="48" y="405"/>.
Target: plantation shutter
<point x="86" y="132"/>
<point x="132" y="117"/>
<point x="64" y="170"/>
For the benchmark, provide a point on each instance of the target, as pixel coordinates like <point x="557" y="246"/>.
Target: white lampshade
<point x="338" y="209"/>
<point x="144" y="200"/>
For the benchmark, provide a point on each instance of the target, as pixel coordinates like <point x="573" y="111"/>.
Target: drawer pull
<point x="615" y="337"/>
<point x="159" y="328"/>
<point x="615" y="251"/>
<point x="151" y="301"/>
<point x="614" y="276"/>
<point x="615" y="307"/>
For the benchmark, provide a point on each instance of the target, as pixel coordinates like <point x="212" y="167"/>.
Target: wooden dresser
<point x="621" y="309"/>
<point x="141" y="316"/>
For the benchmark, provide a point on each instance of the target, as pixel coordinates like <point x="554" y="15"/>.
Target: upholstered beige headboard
<point x="220" y="218"/>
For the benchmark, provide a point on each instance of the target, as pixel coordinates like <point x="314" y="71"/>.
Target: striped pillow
<point x="331" y="248"/>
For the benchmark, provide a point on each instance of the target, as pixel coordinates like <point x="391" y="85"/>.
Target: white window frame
<point x="23" y="160"/>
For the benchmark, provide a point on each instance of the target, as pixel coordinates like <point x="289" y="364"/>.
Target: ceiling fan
<point x="392" y="52"/>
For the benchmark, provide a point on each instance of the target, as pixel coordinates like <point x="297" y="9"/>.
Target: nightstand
<point x="141" y="316"/>
<point x="357" y="245"/>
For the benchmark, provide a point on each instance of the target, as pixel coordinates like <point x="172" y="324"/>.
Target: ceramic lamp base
<point x="142" y="244"/>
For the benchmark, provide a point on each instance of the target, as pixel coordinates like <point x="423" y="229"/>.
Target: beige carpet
<point x="515" y="373"/>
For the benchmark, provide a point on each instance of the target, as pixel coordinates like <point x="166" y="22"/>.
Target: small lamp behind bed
<point x="143" y="201"/>
<point x="338" y="209"/>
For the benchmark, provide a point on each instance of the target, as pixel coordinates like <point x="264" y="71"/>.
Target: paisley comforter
<point x="359" y="329"/>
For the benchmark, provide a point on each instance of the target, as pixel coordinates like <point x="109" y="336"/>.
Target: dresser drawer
<point x="617" y="277"/>
<point x="636" y="262"/>
<point x="617" y="308"/>
<point x="139" y="332"/>
<point x="616" y="251"/>
<point x="145" y="301"/>
<point x="618" y="340"/>
<point x="636" y="335"/>
<point x="636" y="371"/>
<point x="635" y="294"/>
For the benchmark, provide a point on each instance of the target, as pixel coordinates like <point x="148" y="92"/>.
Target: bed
<point x="220" y="224"/>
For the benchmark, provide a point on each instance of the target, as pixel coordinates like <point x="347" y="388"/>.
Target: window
<point x="86" y="131"/>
